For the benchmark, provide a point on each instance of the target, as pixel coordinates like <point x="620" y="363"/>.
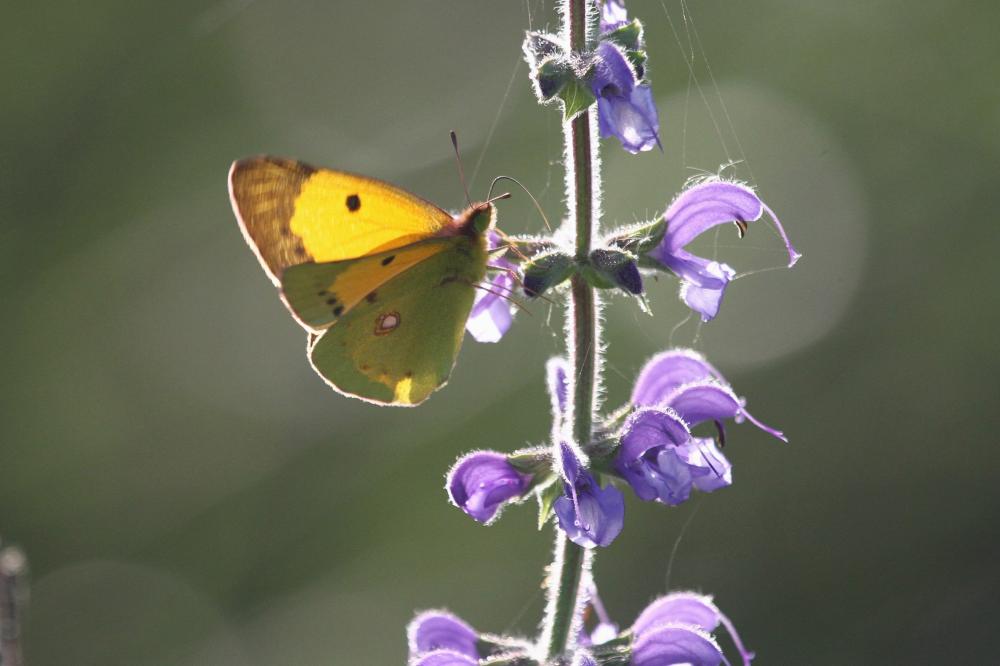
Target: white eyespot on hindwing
<point x="386" y="323"/>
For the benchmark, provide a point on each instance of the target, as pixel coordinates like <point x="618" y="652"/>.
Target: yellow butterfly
<point x="382" y="280"/>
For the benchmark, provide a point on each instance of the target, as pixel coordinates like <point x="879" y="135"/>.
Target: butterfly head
<point x="478" y="218"/>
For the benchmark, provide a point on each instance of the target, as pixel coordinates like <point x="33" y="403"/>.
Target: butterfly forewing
<point x="292" y="213"/>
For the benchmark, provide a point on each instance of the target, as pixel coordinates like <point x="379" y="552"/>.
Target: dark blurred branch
<point x="13" y="594"/>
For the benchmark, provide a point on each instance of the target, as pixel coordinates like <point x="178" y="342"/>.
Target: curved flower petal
<point x="652" y="427"/>
<point x="695" y="211"/>
<point x="631" y="118"/>
<point x="707" y="205"/>
<point x="666" y="371"/>
<point x="444" y="658"/>
<point x="672" y="643"/>
<point x="679" y="607"/>
<point x="648" y="456"/>
<point x="712" y="400"/>
<point x="710" y="469"/>
<point x="691" y="609"/>
<point x="705" y="400"/>
<point x="440" y="630"/>
<point x="481" y="482"/>
<point x="491" y="314"/>
<point x="703" y="290"/>
<point x="613" y="15"/>
<point x="613" y="74"/>
<point x="590" y="515"/>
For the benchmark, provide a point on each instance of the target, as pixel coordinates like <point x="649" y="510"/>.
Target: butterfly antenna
<point x="461" y="171"/>
<point x="538" y="206"/>
<point x="519" y="306"/>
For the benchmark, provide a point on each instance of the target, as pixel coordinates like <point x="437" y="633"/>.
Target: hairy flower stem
<point x="566" y="576"/>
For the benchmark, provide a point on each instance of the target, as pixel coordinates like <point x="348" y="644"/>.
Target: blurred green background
<point x="189" y="492"/>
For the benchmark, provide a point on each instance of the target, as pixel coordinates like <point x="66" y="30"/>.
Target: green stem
<point x="566" y="598"/>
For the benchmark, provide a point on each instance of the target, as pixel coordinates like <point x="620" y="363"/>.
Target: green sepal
<point x="628" y="36"/>
<point x="638" y="60"/>
<point x="503" y="650"/>
<point x="534" y="460"/>
<point x="576" y="97"/>
<point x="541" y="45"/>
<point x="547" y="496"/>
<point x="551" y="77"/>
<point x="639" y="239"/>
<point x="615" y="652"/>
<point x="602" y="455"/>
<point x="542" y="272"/>
<point x="613" y="268"/>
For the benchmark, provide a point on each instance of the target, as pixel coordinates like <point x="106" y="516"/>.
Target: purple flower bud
<point x="444" y="658"/>
<point x="625" y="107"/>
<point x="479" y="483"/>
<point x="688" y="609"/>
<point x="556" y="379"/>
<point x="440" y="630"/>
<point x="684" y="381"/>
<point x="695" y="211"/>
<point x="491" y="314"/>
<point x="588" y="514"/>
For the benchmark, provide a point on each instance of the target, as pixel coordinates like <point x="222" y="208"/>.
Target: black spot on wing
<point x="353" y="202"/>
<point x="388" y="260"/>
<point x="371" y="297"/>
<point x="339" y="310"/>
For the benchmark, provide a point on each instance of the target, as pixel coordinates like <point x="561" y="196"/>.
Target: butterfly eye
<point x="387" y="323"/>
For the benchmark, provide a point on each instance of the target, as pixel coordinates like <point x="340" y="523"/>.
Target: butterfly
<point x="382" y="280"/>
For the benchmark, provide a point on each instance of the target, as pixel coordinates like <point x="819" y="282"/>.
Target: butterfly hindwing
<point x="400" y="346"/>
<point x="292" y="213"/>
<point x="320" y="294"/>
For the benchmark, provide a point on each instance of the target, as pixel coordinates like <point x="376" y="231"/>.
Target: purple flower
<point x="694" y="211"/>
<point x="625" y="107"/>
<point x="583" y="658"/>
<point x="588" y="514"/>
<point x="491" y="313"/>
<point x="479" y="483"/>
<point x="613" y="15"/>
<point x="662" y="461"/>
<point x="675" y="629"/>
<point x="684" y="381"/>
<point x="659" y="457"/>
<point x="437" y="630"/>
